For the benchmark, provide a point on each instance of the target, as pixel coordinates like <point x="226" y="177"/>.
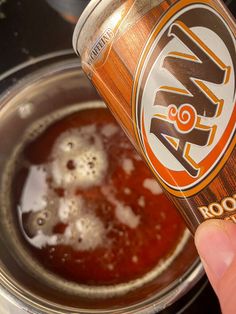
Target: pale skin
<point x="216" y="244"/>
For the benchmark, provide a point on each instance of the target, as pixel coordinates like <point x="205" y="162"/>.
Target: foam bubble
<point x="73" y="140"/>
<point x="152" y="186"/>
<point x="41" y="239"/>
<point x="128" y="165"/>
<point x="79" y="159"/>
<point x="124" y="214"/>
<point x="41" y="221"/>
<point x="70" y="208"/>
<point x="86" y="233"/>
<point x="109" y="130"/>
<point x="141" y="201"/>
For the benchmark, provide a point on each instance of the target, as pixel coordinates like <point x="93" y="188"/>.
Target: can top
<point x="81" y="22"/>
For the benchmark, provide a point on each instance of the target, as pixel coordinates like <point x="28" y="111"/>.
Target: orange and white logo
<point x="184" y="97"/>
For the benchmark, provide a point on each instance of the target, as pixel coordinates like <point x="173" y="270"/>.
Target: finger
<point x="216" y="244"/>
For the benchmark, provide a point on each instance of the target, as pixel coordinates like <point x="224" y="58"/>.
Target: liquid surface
<point x="88" y="207"/>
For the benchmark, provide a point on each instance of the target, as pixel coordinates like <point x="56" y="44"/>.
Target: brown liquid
<point x="88" y="206"/>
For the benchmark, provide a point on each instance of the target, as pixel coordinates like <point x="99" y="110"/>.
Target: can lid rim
<point x="82" y="20"/>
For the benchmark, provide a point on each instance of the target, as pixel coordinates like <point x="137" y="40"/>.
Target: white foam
<point x="123" y="213"/>
<point x="41" y="240"/>
<point x="128" y="165"/>
<point x="73" y="139"/>
<point x="70" y="208"/>
<point x="152" y="186"/>
<point x="66" y="146"/>
<point x="86" y="233"/>
<point x="79" y="159"/>
<point x="52" y="240"/>
<point x="40" y="223"/>
<point x="35" y="190"/>
<point x="109" y="130"/>
<point x="141" y="201"/>
<point x="126" y="216"/>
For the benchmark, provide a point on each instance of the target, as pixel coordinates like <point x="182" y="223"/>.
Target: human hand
<point x="216" y="244"/>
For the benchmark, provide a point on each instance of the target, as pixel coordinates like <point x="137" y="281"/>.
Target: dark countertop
<point x="29" y="29"/>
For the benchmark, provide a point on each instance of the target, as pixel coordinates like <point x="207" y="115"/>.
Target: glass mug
<point x="36" y="90"/>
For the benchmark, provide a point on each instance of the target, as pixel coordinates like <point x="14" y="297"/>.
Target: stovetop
<point x="29" y="29"/>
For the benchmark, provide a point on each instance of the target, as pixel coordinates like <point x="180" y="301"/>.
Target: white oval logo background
<point x="159" y="76"/>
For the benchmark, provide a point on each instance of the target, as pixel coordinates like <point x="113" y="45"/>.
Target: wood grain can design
<point x="167" y="71"/>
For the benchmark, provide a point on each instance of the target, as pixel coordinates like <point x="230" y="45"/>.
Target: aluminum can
<point x="166" y="69"/>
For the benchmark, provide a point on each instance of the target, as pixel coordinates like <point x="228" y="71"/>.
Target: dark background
<point x="31" y="28"/>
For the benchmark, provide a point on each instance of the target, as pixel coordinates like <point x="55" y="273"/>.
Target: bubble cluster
<point x="126" y="216"/>
<point x="141" y="201"/>
<point x="86" y="233"/>
<point x="70" y="208"/>
<point x="109" y="130"/>
<point x="152" y="186"/>
<point x="128" y="165"/>
<point x="123" y="213"/>
<point x="83" y="231"/>
<point x="79" y="159"/>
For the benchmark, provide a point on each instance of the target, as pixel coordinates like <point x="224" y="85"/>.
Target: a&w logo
<point x="184" y="97"/>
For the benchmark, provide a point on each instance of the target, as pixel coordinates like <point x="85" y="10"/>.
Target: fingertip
<point x="215" y="247"/>
<point x="203" y="230"/>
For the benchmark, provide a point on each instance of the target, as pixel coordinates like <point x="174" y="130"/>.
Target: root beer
<point x="167" y="71"/>
<point x="88" y="208"/>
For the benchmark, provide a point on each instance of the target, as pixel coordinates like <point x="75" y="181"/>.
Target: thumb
<point x="216" y="244"/>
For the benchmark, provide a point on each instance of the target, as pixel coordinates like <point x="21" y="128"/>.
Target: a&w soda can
<point x="167" y="71"/>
